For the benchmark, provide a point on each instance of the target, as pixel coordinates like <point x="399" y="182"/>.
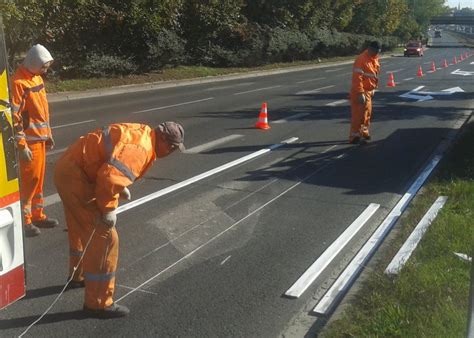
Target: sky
<point x="464" y="3"/>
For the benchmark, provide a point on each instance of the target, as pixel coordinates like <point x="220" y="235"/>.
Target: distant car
<point x="437" y="34"/>
<point x="413" y="48"/>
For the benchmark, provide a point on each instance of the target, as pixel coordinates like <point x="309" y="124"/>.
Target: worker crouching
<point x="90" y="178"/>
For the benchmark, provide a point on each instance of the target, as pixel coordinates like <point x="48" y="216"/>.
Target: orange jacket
<point x="30" y="108"/>
<point x="365" y="73"/>
<point x="113" y="158"/>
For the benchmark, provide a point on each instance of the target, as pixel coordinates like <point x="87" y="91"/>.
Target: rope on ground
<point x="62" y="291"/>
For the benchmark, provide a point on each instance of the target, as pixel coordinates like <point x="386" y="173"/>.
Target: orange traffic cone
<point x="433" y="67"/>
<point x="445" y="63"/>
<point x="420" y="72"/>
<point x="262" y="122"/>
<point x="455" y="60"/>
<point x="461" y="57"/>
<point x="391" y="80"/>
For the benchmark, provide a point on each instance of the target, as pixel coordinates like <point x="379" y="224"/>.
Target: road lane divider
<point x="317" y="90"/>
<point x="293" y="117"/>
<point x="257" y="90"/>
<point x="415" y="237"/>
<point x="230" y="86"/>
<point x="172" y="105"/>
<point x="336" y="103"/>
<point x="306" y="81"/>
<point x="202" y="176"/>
<point x="72" y="124"/>
<point x="313" y="272"/>
<point x="212" y="144"/>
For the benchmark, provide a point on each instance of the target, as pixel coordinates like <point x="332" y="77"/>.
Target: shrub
<point x="166" y="49"/>
<point x="100" y="65"/>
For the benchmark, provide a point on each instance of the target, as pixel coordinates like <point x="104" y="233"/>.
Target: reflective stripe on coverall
<point x="364" y="81"/>
<point x="89" y="177"/>
<point x="31" y="122"/>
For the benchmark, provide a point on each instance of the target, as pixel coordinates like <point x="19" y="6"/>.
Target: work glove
<point x="50" y="143"/>
<point x="26" y="154"/>
<point x="361" y="98"/>
<point x="125" y="194"/>
<point x="110" y="218"/>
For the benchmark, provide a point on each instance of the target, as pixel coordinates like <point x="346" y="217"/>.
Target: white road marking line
<point x="317" y="79"/>
<point x="173" y="105"/>
<point x="222" y="232"/>
<point x="71" y="124"/>
<point x="335" y="103"/>
<point x="305" y="92"/>
<point x="343" y="74"/>
<point x="212" y="144"/>
<point x="130" y="288"/>
<point x="345" y="279"/>
<point x="51" y="199"/>
<point x="257" y="90"/>
<point x="289" y="118"/>
<point x="394" y="71"/>
<point x="202" y="176"/>
<point x="329" y="149"/>
<point x="408" y="79"/>
<point x="415" y="237"/>
<point x="310" y="275"/>
<point x="225" y="260"/>
<point x="230" y="86"/>
<point x="54" y="152"/>
<point x="333" y="70"/>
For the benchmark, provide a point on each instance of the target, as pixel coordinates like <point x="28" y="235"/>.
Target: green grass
<point x="170" y="74"/>
<point x="429" y="298"/>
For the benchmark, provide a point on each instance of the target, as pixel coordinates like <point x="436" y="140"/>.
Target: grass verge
<point x="429" y="298"/>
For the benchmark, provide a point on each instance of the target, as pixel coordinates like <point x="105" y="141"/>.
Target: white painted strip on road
<point x="415" y="237"/>
<point x="199" y="177"/>
<point x="173" y="105"/>
<point x="231" y="86"/>
<point x="317" y="90"/>
<point x="394" y="71"/>
<point x="333" y="70"/>
<point x="408" y="79"/>
<point x="51" y="199"/>
<point x="289" y="118"/>
<point x="71" y="124"/>
<point x="57" y="151"/>
<point x="335" y="103"/>
<point x="209" y="145"/>
<point x="329" y="149"/>
<point x="130" y="288"/>
<point x="310" y="275"/>
<point x="317" y="79"/>
<point x="257" y="90"/>
<point x="346" y="278"/>
<point x="343" y="74"/>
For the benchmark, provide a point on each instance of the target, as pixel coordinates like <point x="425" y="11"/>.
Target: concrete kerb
<point x="70" y="96"/>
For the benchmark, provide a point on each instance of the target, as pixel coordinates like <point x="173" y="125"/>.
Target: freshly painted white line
<point x="225" y="260"/>
<point x="130" y="288"/>
<point x="317" y="90"/>
<point x="257" y="90"/>
<point x="317" y="79"/>
<point x="173" y="105"/>
<point x="202" y="176"/>
<point x="335" y="103"/>
<point x="289" y="118"/>
<point x="51" y="199"/>
<point x="415" y="237"/>
<point x="310" y="275"/>
<point x="408" y="79"/>
<point x="212" y="144"/>
<point x="231" y="86"/>
<point x="221" y="233"/>
<point x="329" y="149"/>
<point x="332" y="70"/>
<point x="57" y="151"/>
<point x="71" y="124"/>
<point x="345" y="279"/>
<point x="394" y="71"/>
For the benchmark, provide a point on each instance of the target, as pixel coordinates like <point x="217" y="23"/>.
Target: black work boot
<point x="31" y="230"/>
<point x="112" y="311"/>
<point x="46" y="223"/>
<point x="355" y="140"/>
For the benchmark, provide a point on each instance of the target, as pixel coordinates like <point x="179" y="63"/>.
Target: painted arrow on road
<point x="462" y="72"/>
<point x="418" y="95"/>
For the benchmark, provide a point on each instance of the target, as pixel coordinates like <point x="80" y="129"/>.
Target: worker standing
<point x="90" y="177"/>
<point x="364" y="82"/>
<point x="33" y="135"/>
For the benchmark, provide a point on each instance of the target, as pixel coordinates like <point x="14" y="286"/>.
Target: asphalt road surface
<point x="214" y="258"/>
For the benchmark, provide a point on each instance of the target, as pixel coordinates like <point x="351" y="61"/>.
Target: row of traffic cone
<point x="391" y="78"/>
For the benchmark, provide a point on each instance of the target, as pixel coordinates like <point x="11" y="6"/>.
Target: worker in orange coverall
<point x="90" y="178"/>
<point x="33" y="135"/>
<point x="364" y="81"/>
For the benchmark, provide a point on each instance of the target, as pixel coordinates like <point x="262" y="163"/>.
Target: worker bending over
<point x="90" y="177"/>
<point x="364" y="82"/>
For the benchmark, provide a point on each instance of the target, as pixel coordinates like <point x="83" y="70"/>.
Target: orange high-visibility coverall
<point x="364" y="81"/>
<point x="89" y="178"/>
<point x="31" y="121"/>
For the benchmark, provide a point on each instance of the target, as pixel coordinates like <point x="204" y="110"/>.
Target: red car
<point x="413" y="48"/>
